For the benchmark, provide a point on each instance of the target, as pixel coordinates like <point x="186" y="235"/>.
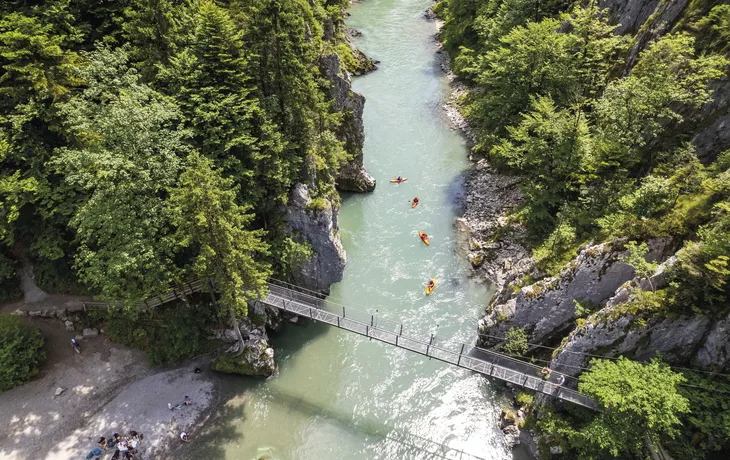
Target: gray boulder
<point x="317" y="225"/>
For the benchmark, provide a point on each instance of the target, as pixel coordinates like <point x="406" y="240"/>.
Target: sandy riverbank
<point x="108" y="388"/>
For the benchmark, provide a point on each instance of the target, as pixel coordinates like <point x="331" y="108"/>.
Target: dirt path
<point x="108" y="388"/>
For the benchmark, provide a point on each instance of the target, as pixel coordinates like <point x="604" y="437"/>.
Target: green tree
<point x="550" y="144"/>
<point x="641" y="402"/>
<point x="212" y="226"/>
<point x="516" y="342"/>
<point x="125" y="156"/>
<point x="636" y="258"/>
<point x="210" y="80"/>
<point x="532" y="61"/>
<point x="703" y="269"/>
<point x="635" y="110"/>
<point x="21" y="351"/>
<point x="154" y="28"/>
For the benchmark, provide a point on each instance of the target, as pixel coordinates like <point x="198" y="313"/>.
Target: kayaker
<point x="399" y="179"/>
<point x="430" y="283"/>
<point x="416" y="200"/>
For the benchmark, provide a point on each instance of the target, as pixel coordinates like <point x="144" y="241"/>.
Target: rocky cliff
<point x="650" y="19"/>
<point x="546" y="309"/>
<point x="315" y="224"/>
<point x="352" y="177"/>
<point x="695" y="340"/>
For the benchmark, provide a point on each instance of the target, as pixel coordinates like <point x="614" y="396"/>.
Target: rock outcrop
<point x="695" y="340"/>
<point x="315" y="222"/>
<point x="352" y="177"/>
<point x="546" y="309"/>
<point x="256" y="358"/>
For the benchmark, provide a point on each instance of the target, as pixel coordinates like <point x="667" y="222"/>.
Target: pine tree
<point x="209" y="79"/>
<point x="213" y="226"/>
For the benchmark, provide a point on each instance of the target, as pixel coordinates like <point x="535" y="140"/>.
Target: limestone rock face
<point x="352" y="177"/>
<point x="685" y="340"/>
<point x="715" y="350"/>
<point x="319" y="228"/>
<point x="546" y="309"/>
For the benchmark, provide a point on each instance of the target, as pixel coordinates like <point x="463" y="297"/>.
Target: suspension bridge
<point x="290" y="298"/>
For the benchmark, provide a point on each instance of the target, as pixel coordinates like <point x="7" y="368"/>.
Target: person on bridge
<point x="561" y="380"/>
<point x="546" y="371"/>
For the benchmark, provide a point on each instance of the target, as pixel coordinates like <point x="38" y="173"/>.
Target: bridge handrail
<point x="565" y="393"/>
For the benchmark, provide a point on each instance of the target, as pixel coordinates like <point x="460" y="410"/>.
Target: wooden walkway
<point x="479" y="360"/>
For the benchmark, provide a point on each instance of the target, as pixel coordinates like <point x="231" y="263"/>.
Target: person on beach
<point x="187" y="401"/>
<point x="102" y="442"/>
<point x="184" y="436"/>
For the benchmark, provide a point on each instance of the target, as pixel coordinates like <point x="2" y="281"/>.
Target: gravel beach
<point x="107" y="388"/>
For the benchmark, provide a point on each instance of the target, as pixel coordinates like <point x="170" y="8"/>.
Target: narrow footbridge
<point x="304" y="303"/>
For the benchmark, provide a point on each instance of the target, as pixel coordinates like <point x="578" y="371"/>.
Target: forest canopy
<point x="144" y="142"/>
<point x="597" y="125"/>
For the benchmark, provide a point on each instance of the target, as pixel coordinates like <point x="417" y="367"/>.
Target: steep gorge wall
<point x="545" y="309"/>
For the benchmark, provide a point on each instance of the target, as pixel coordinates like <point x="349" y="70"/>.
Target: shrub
<point x="525" y="399"/>
<point x="21" y="351"/>
<point x="182" y="335"/>
<point x="516" y="341"/>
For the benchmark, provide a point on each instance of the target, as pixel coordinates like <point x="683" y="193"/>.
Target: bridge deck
<point x="479" y="360"/>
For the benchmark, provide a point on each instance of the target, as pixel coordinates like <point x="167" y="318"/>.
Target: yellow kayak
<point x="429" y="289"/>
<point x="396" y="181"/>
<point x="424" y="238"/>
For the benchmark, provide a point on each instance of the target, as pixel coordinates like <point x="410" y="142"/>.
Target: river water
<point x="338" y="395"/>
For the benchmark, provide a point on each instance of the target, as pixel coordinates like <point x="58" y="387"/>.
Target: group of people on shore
<point x="125" y="447"/>
<point x="184" y="437"/>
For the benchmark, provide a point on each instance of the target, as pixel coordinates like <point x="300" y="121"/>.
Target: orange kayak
<point x="396" y="181"/>
<point x="415" y="202"/>
<point x="424" y="238"/>
<point x="429" y="289"/>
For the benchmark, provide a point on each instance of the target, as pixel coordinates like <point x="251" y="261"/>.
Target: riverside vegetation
<point x="600" y="122"/>
<point x="147" y="142"/>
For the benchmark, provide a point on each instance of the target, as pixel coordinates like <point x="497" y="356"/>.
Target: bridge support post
<point x="367" y="331"/>
<point x="343" y="312"/>
<point x="401" y="329"/>
<point x="461" y="352"/>
<point x="338" y="321"/>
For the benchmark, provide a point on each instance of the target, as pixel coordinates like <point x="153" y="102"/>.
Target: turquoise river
<point x="338" y="395"/>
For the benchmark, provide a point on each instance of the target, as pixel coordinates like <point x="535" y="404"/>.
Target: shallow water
<point x="338" y="395"/>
